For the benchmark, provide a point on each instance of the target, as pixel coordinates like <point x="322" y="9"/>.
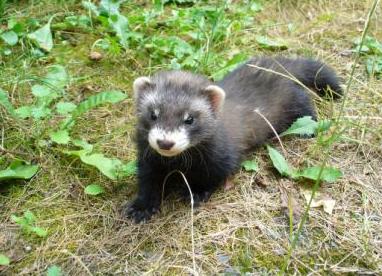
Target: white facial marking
<point x="179" y="137"/>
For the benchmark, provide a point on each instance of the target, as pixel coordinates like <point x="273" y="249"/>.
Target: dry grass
<point x="245" y="229"/>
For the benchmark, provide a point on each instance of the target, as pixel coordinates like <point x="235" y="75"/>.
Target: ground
<point x="243" y="229"/>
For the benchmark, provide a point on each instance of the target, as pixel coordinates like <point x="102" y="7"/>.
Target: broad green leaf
<point x="374" y="65"/>
<point x="97" y="100"/>
<point x="15" y="26"/>
<point x="250" y="165"/>
<point x="256" y="7"/>
<point x="57" y="76"/>
<point x="60" y="137"/>
<point x="40" y="112"/>
<point x="41" y="91"/>
<point x="39" y="231"/>
<point x="65" y="108"/>
<point x="7" y="51"/>
<point x="328" y="174"/>
<point x="83" y="144"/>
<point x="24" y="111"/>
<point x="370" y="46"/>
<point x="4" y="101"/>
<point x="29" y="217"/>
<point x="19" y="220"/>
<point x="271" y="44"/>
<point x="109" y="7"/>
<point x="279" y="162"/>
<point x="54" y="271"/>
<point x="27" y="223"/>
<point x="120" y="24"/>
<point x="107" y="166"/>
<point x="81" y="21"/>
<point x="4" y="260"/>
<point x="43" y="37"/>
<point x="90" y="6"/>
<point x="10" y="37"/>
<point x="302" y="126"/>
<point x="127" y="169"/>
<point x="18" y="170"/>
<point x="94" y="189"/>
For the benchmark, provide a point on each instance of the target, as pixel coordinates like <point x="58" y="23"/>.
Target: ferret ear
<point x="140" y="85"/>
<point x="216" y="96"/>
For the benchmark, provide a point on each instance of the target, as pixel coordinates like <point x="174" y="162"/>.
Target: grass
<point x="245" y="229"/>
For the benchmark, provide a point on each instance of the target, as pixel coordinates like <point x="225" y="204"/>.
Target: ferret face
<point x="176" y="111"/>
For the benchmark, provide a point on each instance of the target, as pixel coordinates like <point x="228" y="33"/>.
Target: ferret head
<point x="176" y="110"/>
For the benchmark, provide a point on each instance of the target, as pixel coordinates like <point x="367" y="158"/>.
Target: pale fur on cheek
<point x="178" y="136"/>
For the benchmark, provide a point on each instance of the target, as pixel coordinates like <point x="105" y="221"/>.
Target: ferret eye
<point x="153" y="116"/>
<point x="189" y="120"/>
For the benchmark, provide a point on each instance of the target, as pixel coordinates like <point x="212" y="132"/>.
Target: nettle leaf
<point x="10" y="37"/>
<point x="271" y="44"/>
<point x="64" y="108"/>
<point x="4" y="260"/>
<point x="41" y="91"/>
<point x="97" y="100"/>
<point x="127" y="169"/>
<point x="302" y="126"/>
<point x="250" y="165"/>
<point x="29" y="217"/>
<point x="60" y="137"/>
<point x="40" y="112"/>
<point x="43" y="37"/>
<point x="279" y="162"/>
<point x="4" y="101"/>
<point x="328" y="174"/>
<point x="18" y="170"/>
<point x="24" y="111"/>
<point x="94" y="189"/>
<point x="54" y="271"/>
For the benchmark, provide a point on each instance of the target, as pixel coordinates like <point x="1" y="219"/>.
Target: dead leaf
<point x="96" y="56"/>
<point x="320" y="200"/>
<point x="260" y="180"/>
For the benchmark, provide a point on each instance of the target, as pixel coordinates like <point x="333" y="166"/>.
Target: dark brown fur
<point x="219" y="137"/>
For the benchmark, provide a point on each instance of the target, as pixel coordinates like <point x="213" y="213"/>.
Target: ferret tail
<point x="318" y="76"/>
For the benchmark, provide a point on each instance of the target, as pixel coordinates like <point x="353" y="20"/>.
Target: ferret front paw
<point x="139" y="211"/>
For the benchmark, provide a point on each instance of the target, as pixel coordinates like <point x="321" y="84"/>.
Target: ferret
<point x="204" y="129"/>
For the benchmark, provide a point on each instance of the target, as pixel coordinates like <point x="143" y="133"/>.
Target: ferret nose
<point x="165" y="144"/>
